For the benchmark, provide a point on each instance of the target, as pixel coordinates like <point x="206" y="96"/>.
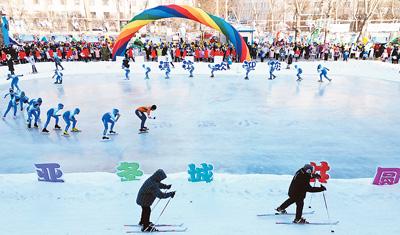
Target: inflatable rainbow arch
<point x="180" y="11"/>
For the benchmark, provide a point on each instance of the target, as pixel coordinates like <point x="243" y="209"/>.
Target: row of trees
<point x="302" y="15"/>
<point x="267" y="15"/>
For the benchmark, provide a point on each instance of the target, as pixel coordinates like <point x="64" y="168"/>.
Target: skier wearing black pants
<point x="299" y="186"/>
<point x="10" y="64"/>
<point x="150" y="190"/>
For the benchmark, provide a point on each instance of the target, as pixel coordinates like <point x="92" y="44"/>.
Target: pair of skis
<point x="304" y="213"/>
<point x="167" y="228"/>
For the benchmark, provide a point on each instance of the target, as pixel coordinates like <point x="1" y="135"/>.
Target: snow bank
<point x="98" y="203"/>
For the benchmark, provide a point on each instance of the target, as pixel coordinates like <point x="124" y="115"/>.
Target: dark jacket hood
<point x="159" y="175"/>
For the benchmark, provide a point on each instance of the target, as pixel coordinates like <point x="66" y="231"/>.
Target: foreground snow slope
<point x="98" y="203"/>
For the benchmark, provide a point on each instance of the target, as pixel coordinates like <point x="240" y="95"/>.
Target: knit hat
<point x="308" y="168"/>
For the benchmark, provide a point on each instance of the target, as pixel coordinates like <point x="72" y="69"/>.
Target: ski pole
<point x="162" y="212"/>
<point x="154" y="207"/>
<point x="327" y="211"/>
<point x="309" y="205"/>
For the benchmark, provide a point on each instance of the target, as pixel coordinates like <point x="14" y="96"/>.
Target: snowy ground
<point x="255" y="126"/>
<point x="98" y="203"/>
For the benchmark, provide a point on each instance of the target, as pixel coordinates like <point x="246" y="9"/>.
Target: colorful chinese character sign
<point x="199" y="174"/>
<point x="129" y="171"/>
<point x="388" y="176"/>
<point x="322" y="171"/>
<point x="49" y="172"/>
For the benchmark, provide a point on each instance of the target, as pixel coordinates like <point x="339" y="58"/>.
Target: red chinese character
<point x="322" y="169"/>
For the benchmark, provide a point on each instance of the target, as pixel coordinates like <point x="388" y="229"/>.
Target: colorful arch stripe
<point x="180" y="11"/>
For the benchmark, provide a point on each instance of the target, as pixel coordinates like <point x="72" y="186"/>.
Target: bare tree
<point x="271" y="9"/>
<point x="88" y="20"/>
<point x="118" y="15"/>
<point x="369" y="7"/>
<point x="298" y="10"/>
<point x="327" y="14"/>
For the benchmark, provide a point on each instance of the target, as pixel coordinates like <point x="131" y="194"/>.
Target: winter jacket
<point x="125" y="63"/>
<point x="300" y="185"/>
<point x="105" y="53"/>
<point x="151" y="189"/>
<point x="10" y="65"/>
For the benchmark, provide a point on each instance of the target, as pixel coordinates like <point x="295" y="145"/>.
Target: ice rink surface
<point x="255" y="126"/>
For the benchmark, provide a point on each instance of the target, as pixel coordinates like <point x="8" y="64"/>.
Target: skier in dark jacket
<point x="151" y="189"/>
<point x="10" y="64"/>
<point x="299" y="186"/>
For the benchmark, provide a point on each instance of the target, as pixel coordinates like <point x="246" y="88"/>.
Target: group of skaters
<point x="299" y="186"/>
<point x="111" y="118"/>
<point x="272" y="64"/>
<point x="17" y="99"/>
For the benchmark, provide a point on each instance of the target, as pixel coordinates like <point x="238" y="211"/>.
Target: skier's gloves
<point x="316" y="176"/>
<point x="172" y="194"/>
<point x="323" y="188"/>
<point x="168" y="186"/>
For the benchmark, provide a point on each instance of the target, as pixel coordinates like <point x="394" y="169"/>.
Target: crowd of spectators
<point x="45" y="51"/>
<point x="283" y="51"/>
<point x="201" y="51"/>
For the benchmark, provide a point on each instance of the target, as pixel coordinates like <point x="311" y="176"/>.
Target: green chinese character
<point x="128" y="171"/>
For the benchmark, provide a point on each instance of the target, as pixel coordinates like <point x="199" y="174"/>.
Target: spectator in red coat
<point x="212" y="55"/>
<point x="51" y="54"/>
<point x="38" y="57"/>
<point x="206" y="52"/>
<point x="3" y="57"/>
<point x="177" y="55"/>
<point x="197" y="55"/>
<point x="153" y="54"/>
<point x="21" y="56"/>
<point x="85" y="54"/>
<point x="130" y="54"/>
<point x="59" y="53"/>
<point x="69" y="55"/>
<point x="184" y="54"/>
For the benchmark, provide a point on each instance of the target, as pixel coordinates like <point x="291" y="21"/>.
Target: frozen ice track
<point x="255" y="126"/>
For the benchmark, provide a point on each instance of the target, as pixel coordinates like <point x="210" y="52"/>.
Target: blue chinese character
<point x="164" y="65"/>
<point x="198" y="174"/>
<point x="49" y="172"/>
<point x="248" y="66"/>
<point x="147" y="71"/>
<point x="217" y="67"/>
<point x="273" y="65"/>
<point x="188" y="65"/>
